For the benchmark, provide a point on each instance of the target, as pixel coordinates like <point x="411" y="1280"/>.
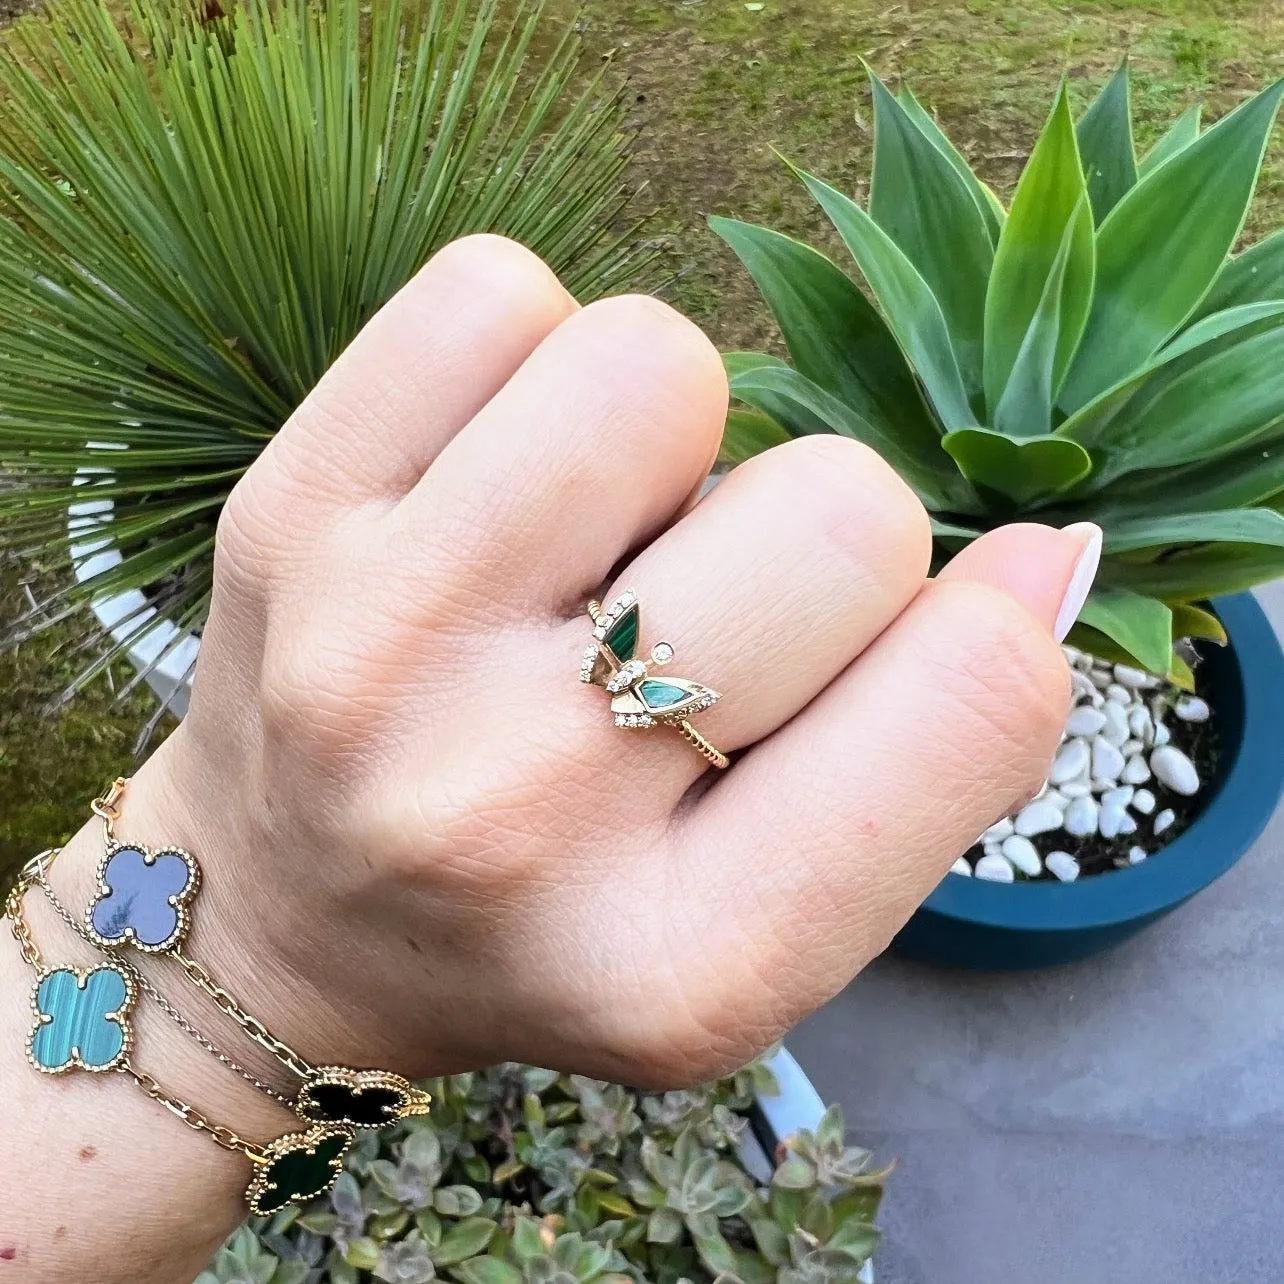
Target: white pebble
<point x="1100" y="678"/>
<point x="1175" y="770"/>
<point x="1023" y="854"/>
<point x="1081" y="685"/>
<point x="1140" y="723"/>
<point x="961" y="866"/>
<point x="1143" y="801"/>
<point x="1071" y="761"/>
<point x="1164" y="819"/>
<point x="1120" y="797"/>
<point x="1077" y="788"/>
<point x="1116" y="718"/>
<point x="1114" y="821"/>
<point x="1130" y="747"/>
<point x="1071" y="653"/>
<point x="1063" y="866"/>
<point x="992" y="849"/>
<point x="1192" y="709"/>
<point x="1081" y="817"/>
<point x="1038" y="817"/>
<point x="1107" y="761"/>
<point x="1135" y="771"/>
<point x="1136" y="855"/>
<point x="998" y="831"/>
<point x="1138" y="679"/>
<point x="1162" y="735"/>
<point x="1085" y="721"/>
<point x="995" y="869"/>
<point x="1115" y="694"/>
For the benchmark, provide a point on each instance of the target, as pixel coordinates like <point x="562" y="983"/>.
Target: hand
<point x="425" y="843"/>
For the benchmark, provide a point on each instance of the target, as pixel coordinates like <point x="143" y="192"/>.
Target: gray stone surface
<point x="1118" y="1121"/>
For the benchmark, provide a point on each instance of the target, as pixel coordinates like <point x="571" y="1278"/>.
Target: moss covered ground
<point x="716" y="88"/>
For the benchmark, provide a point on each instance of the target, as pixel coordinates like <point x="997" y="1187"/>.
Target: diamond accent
<point x="626" y="677"/>
<point x="634" y="720"/>
<point x="662" y="653"/>
<point x="591" y="653"/>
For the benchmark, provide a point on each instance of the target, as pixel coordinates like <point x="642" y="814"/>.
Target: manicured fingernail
<point x="1085" y="571"/>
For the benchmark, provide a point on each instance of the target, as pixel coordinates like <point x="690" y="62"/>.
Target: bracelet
<point x="82" y="1015"/>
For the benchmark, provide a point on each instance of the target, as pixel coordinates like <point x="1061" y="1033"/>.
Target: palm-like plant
<point x="198" y="212"/>
<point x="1091" y="352"/>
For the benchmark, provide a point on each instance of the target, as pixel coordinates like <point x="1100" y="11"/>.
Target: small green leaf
<point x="716" y="1254"/>
<point x="835" y="335"/>
<point x="664" y="1226"/>
<point x="1184" y="131"/>
<point x="859" y="1239"/>
<point x="795" y="1173"/>
<point x="922" y="202"/>
<point x="363" y="1254"/>
<point x="1023" y="470"/>
<point x="991" y="209"/>
<point x="1105" y="143"/>
<point x="1190" y="621"/>
<point x="1162" y="245"/>
<point x="466" y="1239"/>
<point x="1141" y="625"/>
<point x="1051" y="194"/>
<point x="911" y="308"/>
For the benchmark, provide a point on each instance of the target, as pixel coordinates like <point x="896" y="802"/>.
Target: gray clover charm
<point x="143" y="897"/>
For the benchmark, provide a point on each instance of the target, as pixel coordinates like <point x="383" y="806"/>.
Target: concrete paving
<point x="1118" y="1121"/>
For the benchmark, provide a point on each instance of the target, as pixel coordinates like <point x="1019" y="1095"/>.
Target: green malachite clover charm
<point x="82" y="1019"/>
<point x="637" y="700"/>
<point x="298" y="1167"/>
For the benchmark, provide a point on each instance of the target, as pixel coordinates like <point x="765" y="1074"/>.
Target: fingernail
<point x="1085" y="571"/>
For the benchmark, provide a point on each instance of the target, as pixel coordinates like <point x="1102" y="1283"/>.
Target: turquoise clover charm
<point x="82" y="1019"/>
<point x="143" y="897"/>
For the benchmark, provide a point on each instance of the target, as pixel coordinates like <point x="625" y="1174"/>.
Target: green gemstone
<point x="297" y="1175"/>
<point x="661" y="695"/>
<point x="622" y="636"/>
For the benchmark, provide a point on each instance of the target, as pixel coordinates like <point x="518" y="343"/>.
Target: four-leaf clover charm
<point x="81" y="1019"/>
<point x="143" y="897"/>
<point x="298" y="1167"/>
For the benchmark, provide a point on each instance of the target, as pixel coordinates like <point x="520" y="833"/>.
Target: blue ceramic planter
<point x="970" y="923"/>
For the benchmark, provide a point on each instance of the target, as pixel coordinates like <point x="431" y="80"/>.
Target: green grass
<point x="716" y="86"/>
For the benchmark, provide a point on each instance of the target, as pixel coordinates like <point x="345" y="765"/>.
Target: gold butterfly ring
<point x="639" y="700"/>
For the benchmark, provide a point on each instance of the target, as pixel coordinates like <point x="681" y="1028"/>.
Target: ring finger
<point x="772" y="585"/>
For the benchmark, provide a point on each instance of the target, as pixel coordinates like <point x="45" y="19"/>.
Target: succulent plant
<point x="1091" y="352"/>
<point x="524" y="1176"/>
<point x="202" y="204"/>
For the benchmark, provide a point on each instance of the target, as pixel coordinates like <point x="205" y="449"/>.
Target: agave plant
<point x="199" y="210"/>
<point x="1091" y="352"/>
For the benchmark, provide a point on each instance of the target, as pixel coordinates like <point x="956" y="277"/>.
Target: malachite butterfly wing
<point x="622" y="636"/>
<point x="81" y="1019"/>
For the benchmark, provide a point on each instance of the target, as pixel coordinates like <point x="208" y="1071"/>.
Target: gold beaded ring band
<point x="639" y="700"/>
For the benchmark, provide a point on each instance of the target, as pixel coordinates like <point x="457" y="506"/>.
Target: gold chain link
<point x="193" y="1118"/>
<point x="252" y="1026"/>
<point x="33" y="872"/>
<point x="107" y="806"/>
<point x="144" y="983"/>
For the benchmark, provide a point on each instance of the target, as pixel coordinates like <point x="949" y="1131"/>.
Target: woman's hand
<point x="428" y="845"/>
<point x="425" y="842"/>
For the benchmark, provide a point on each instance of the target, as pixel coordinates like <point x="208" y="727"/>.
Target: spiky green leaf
<point x="1251" y="277"/>
<point x="834" y="334"/>
<point x="1162" y="245"/>
<point x="1020" y="470"/>
<point x="1141" y="625"/>
<point x="1184" y="131"/>
<point x="1105" y="143"/>
<point x="1050" y="196"/>
<point x="907" y="301"/>
<point x="920" y="200"/>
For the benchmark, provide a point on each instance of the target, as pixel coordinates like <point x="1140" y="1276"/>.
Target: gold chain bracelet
<point x="82" y="1016"/>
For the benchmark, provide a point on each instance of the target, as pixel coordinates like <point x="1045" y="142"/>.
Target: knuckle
<point x="488" y="264"/>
